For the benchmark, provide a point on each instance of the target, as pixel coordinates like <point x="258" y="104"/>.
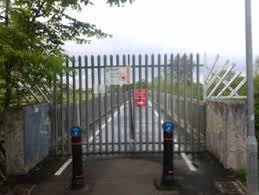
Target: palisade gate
<point x="120" y="102"/>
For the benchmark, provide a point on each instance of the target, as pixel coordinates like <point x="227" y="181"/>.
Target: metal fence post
<point x="252" y="158"/>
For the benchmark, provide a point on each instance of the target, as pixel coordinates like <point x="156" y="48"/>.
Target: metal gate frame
<point x="159" y="75"/>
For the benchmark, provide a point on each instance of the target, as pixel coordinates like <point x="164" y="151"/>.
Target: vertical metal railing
<point x="134" y="109"/>
<point x="112" y="111"/>
<point x="131" y="124"/>
<point x="93" y="103"/>
<point x="118" y="109"/>
<point x="125" y="110"/>
<point x="54" y="113"/>
<point x="153" y="100"/>
<point x="198" y="99"/>
<point x="191" y="102"/>
<point x="108" y="115"/>
<point x="74" y="113"/>
<point x="106" y="108"/>
<point x="140" y="110"/>
<point x="68" y="110"/>
<point x="159" y="104"/>
<point x="80" y="91"/>
<point x="61" y="112"/>
<point x="165" y="87"/>
<point x="147" y="110"/>
<point x="172" y="85"/>
<point x="178" y="102"/>
<point x="184" y="59"/>
<point x="172" y="91"/>
<point x="99" y="103"/>
<point x="87" y="113"/>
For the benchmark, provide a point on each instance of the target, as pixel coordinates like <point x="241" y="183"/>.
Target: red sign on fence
<point x="140" y="98"/>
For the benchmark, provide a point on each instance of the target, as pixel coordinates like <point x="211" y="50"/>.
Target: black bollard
<point x="77" y="161"/>
<point x="168" y="166"/>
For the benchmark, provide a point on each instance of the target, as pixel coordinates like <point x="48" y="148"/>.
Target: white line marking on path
<point x="109" y="120"/>
<point x="64" y="166"/>
<point x="188" y="162"/>
<point x="91" y="139"/>
<point x="156" y="113"/>
<point x="103" y="126"/>
<point x="183" y="155"/>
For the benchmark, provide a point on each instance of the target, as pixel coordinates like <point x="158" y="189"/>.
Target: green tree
<point x="32" y="35"/>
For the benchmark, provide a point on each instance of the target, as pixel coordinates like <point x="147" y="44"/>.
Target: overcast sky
<point x="211" y="26"/>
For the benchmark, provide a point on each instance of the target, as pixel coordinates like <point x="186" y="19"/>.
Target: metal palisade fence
<point x="120" y="102"/>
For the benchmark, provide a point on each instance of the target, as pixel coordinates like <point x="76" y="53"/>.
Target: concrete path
<point x="135" y="175"/>
<point x="117" y="136"/>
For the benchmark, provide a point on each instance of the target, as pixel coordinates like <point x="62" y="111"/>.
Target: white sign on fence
<point x="117" y="75"/>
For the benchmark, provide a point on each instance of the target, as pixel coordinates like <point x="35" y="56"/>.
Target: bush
<point x="240" y="175"/>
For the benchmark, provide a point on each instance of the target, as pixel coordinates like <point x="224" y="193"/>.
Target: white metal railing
<point x="223" y="76"/>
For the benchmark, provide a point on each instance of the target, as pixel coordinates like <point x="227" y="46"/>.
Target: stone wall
<point x="226" y="133"/>
<point x="27" y="137"/>
<point x="14" y="142"/>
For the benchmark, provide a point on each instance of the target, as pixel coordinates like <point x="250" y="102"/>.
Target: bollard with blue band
<point x="75" y="132"/>
<point x="167" y="179"/>
<point x="77" y="161"/>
